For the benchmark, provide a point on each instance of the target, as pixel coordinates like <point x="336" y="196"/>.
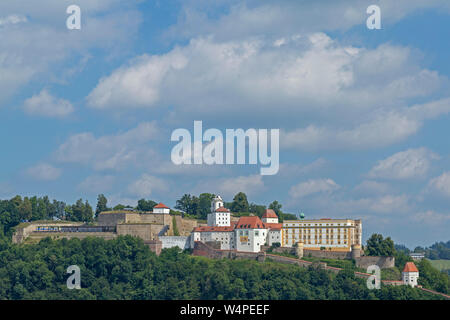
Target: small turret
<point x="299" y="250"/>
<point x="356" y="251"/>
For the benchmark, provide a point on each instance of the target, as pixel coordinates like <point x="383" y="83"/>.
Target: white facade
<point x="250" y="240"/>
<point x="219" y="218"/>
<point x="226" y="238"/>
<point x="161" y="208"/>
<point x="337" y="234"/>
<point x="410" y="278"/>
<point x="274" y="236"/>
<point x="270" y="220"/>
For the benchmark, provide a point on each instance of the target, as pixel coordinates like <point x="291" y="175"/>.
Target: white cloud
<point x="290" y="170"/>
<point x="383" y="129"/>
<point x="44" y="104"/>
<point x="44" y="172"/>
<point x="309" y="72"/>
<point x="262" y="17"/>
<point x="12" y="19"/>
<point x="412" y="163"/>
<point x="312" y="186"/>
<point x="384" y="204"/>
<point x="146" y="185"/>
<point x="370" y="187"/>
<point x="40" y="46"/>
<point x="430" y="217"/>
<point x="110" y="151"/>
<point x="228" y="187"/>
<point x="97" y="184"/>
<point x="351" y="98"/>
<point x="441" y="184"/>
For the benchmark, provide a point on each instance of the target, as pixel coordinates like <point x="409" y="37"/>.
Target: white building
<point x="161" y="208"/>
<point x="331" y="234"/>
<point x="251" y="234"/>
<point x="410" y="274"/>
<point x="247" y="235"/>
<point x="223" y="235"/>
<point x="275" y="229"/>
<point x="269" y="216"/>
<point x="219" y="216"/>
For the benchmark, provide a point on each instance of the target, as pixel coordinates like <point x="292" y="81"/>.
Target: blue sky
<point x="363" y="114"/>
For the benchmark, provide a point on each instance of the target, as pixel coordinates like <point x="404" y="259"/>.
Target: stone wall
<point x="185" y="226"/>
<point x="38" y="236"/>
<point x="155" y="246"/>
<point x="144" y="231"/>
<point x="340" y="255"/>
<point x="111" y="218"/>
<point x="382" y="262"/>
<point x="24" y="232"/>
<point x="181" y="242"/>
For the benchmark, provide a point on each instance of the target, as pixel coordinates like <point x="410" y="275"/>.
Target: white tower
<point x="219" y="216"/>
<point x="216" y="203"/>
<point x="269" y="216"/>
<point x="410" y="274"/>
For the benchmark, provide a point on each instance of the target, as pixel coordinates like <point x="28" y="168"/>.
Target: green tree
<point x="102" y="204"/>
<point x="240" y="203"/>
<point x="146" y="205"/>
<point x="377" y="246"/>
<point x="26" y="210"/>
<point x="276" y="206"/>
<point x="204" y="205"/>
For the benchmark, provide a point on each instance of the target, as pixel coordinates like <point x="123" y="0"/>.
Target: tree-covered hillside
<point x="125" y="268"/>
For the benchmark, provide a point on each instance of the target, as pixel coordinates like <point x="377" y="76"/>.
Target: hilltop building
<point x="248" y="234"/>
<point x="219" y="216"/>
<point x="320" y="234"/>
<point x="410" y="274"/>
<point x="417" y="255"/>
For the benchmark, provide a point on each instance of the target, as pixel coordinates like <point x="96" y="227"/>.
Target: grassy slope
<point x="440" y="264"/>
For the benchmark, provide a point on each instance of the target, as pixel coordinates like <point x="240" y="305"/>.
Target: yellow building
<point x="323" y="234"/>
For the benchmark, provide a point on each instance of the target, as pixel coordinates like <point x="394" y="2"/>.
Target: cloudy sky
<point x="363" y="114"/>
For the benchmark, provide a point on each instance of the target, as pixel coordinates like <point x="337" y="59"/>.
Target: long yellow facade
<point x="323" y="234"/>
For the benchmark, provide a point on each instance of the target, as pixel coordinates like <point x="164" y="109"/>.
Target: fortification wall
<point x="145" y="218"/>
<point x="181" y="242"/>
<point x="146" y="232"/>
<point x="155" y="246"/>
<point x="23" y="233"/>
<point x="382" y="262"/>
<point x="111" y="218"/>
<point x="185" y="226"/>
<point x="38" y="236"/>
<point x="341" y="255"/>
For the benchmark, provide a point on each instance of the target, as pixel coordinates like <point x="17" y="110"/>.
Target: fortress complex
<point x="247" y="234"/>
<point x="342" y="237"/>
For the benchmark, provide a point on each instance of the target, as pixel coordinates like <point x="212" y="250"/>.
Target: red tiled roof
<point x="269" y="214"/>
<point x="410" y="267"/>
<point x="222" y="209"/>
<point x="161" y="205"/>
<point x="214" y="229"/>
<point x="250" y="223"/>
<point x="273" y="226"/>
